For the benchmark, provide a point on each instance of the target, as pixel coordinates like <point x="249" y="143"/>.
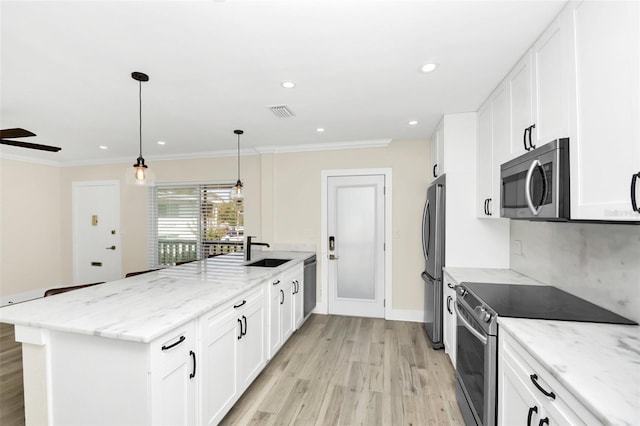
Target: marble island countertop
<point x="598" y="363"/>
<point x="143" y="307"/>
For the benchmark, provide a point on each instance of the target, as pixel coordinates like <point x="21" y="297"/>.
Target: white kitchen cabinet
<point x="276" y="297"/>
<point x="540" y="89"/>
<point x="485" y="159"/>
<point x="252" y="352"/>
<point x="529" y="394"/>
<point x="519" y="82"/>
<point x="449" y="320"/>
<point x="220" y="330"/>
<point x="437" y="151"/>
<point x="607" y="126"/>
<point x="173" y="357"/>
<point x="233" y="352"/>
<point x="295" y="278"/>
<point x="493" y="150"/>
<point x="286" y="311"/>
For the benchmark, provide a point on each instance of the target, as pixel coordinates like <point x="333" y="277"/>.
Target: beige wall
<point x="282" y="205"/>
<point x="297" y="213"/>
<point x="30" y="240"/>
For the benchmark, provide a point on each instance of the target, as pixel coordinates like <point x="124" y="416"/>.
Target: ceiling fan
<point x="22" y="133"/>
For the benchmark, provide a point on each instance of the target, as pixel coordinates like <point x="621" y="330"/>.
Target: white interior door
<point x="96" y="232"/>
<point x="355" y="228"/>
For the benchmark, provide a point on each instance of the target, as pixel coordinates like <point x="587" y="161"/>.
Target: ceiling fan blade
<point x="30" y="145"/>
<point x="15" y="133"/>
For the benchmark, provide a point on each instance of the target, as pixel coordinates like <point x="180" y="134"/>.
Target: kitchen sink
<point x="269" y="263"/>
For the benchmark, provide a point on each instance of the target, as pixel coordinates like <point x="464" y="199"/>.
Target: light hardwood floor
<point x="11" y="390"/>
<point x="340" y="370"/>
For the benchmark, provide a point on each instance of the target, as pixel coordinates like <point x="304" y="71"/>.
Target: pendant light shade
<point x="238" y="188"/>
<point x="141" y="176"/>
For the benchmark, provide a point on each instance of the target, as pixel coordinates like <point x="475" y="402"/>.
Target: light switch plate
<point x="516" y="247"/>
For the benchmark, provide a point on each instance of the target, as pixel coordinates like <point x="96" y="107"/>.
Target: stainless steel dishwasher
<point x="309" y="285"/>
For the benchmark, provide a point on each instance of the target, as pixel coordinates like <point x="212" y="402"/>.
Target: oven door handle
<point x="469" y="327"/>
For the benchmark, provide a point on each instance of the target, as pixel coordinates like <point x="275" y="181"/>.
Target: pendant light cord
<point x="140" y="114"/>
<point x="238" y="157"/>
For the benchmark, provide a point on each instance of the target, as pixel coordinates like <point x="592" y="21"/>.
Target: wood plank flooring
<point x="340" y="370"/>
<point x="11" y="390"/>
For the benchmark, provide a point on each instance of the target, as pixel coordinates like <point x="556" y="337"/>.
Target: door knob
<point x="111" y="248"/>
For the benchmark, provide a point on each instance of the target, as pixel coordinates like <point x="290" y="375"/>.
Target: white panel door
<point x="356" y="245"/>
<point x="96" y="231"/>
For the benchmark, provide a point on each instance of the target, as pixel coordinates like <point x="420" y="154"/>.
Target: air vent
<point x="281" y="111"/>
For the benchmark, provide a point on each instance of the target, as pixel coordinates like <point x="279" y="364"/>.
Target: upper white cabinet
<point x="493" y="150"/>
<point x="552" y="74"/>
<point x="437" y="151"/>
<point x="519" y="85"/>
<point x="607" y="126"/>
<point x="580" y="80"/>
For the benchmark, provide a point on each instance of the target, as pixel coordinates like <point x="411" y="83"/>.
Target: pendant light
<point x="237" y="192"/>
<point x="141" y="168"/>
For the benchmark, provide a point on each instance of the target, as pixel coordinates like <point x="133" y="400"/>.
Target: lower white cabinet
<point x="529" y="395"/>
<point x="173" y="357"/>
<point x="449" y="321"/>
<point x="190" y="375"/>
<point x="233" y="353"/>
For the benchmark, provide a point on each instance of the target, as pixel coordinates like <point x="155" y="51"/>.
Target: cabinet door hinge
<point x="384" y="302"/>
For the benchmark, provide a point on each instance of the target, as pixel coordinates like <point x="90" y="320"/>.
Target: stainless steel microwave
<point x="535" y="186"/>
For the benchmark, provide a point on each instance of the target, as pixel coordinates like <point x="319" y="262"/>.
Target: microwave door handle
<point x="468" y="326"/>
<point x="527" y="188"/>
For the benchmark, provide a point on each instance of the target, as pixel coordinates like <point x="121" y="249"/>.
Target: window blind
<point x="194" y="221"/>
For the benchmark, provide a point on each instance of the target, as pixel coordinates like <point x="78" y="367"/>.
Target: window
<point x="195" y="221"/>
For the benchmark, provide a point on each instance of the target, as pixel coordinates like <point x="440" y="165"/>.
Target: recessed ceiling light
<point x="320" y="130"/>
<point x="103" y="147"/>
<point x="288" y="84"/>
<point x="413" y="123"/>
<point x="427" y="68"/>
<point x="161" y="142"/>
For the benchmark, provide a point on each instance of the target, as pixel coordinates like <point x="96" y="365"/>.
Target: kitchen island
<point x="177" y="345"/>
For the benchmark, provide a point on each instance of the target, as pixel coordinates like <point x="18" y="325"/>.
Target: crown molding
<point x="33" y="160"/>
<point x="329" y="146"/>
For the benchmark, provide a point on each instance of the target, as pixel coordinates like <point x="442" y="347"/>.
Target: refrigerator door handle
<point x="426" y="222"/>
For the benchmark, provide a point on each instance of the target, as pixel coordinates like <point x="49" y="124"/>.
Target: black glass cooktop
<point x="541" y="302"/>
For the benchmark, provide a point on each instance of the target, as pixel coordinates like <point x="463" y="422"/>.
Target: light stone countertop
<point x="489" y="275"/>
<point x="143" y="307"/>
<point x="598" y="363"/>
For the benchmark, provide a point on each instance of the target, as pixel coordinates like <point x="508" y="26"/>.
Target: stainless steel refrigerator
<point x="433" y="249"/>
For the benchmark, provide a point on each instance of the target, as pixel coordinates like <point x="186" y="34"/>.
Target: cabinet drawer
<point x="562" y="406"/>
<point x="172" y="349"/>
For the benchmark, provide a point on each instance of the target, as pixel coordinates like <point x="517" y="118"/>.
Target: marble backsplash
<point x="598" y="262"/>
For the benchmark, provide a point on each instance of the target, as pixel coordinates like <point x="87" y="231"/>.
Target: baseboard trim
<point x="22" y="297"/>
<point x="406" y="315"/>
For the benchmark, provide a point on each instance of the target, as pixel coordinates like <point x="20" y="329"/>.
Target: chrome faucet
<point x="247" y="248"/>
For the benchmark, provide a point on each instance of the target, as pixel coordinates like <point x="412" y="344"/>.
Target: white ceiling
<point x="214" y="66"/>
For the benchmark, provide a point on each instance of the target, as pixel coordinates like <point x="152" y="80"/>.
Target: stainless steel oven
<point x="477" y="307"/>
<point x="536" y="184"/>
<point x="476" y="362"/>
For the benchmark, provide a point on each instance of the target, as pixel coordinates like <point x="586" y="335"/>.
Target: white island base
<point x="183" y="353"/>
